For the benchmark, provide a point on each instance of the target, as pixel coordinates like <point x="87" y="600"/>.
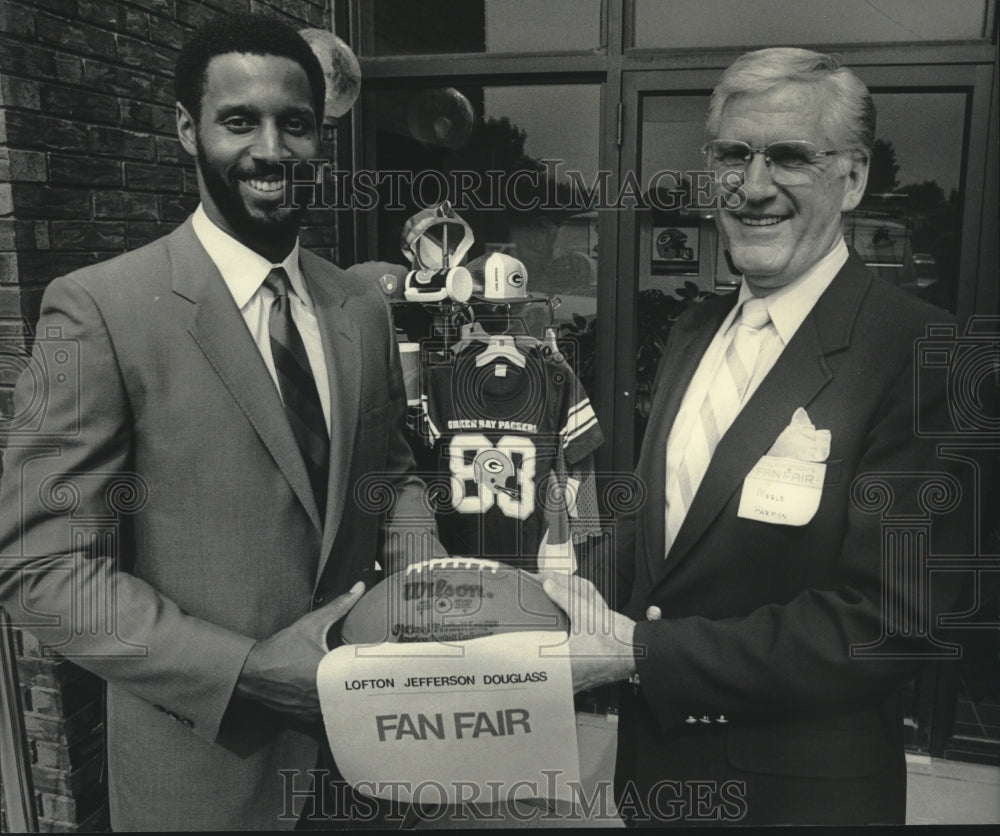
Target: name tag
<point x="782" y="490"/>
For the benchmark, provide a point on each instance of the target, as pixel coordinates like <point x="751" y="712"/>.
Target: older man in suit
<point x="245" y="393"/>
<point x="764" y="640"/>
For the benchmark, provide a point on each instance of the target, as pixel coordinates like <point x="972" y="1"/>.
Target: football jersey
<point x="498" y="429"/>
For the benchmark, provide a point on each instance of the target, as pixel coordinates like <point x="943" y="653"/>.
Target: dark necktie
<point x="298" y="387"/>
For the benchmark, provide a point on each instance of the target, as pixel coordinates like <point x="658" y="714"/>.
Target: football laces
<point x="453" y="563"/>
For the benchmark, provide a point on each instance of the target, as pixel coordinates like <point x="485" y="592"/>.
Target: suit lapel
<point x="218" y="328"/>
<point x="689" y="341"/>
<point x="796" y="379"/>
<point x="341" y="338"/>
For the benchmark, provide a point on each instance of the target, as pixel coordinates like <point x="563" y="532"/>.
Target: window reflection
<point x="907" y="229"/>
<point x="402" y="27"/>
<point x="675" y="247"/>
<point x="684" y="24"/>
<point x="503" y="156"/>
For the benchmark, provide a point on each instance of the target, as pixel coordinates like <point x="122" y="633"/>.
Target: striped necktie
<point x="298" y="387"/>
<point x="722" y="404"/>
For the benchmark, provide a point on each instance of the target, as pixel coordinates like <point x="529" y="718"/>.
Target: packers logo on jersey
<point x="492" y="470"/>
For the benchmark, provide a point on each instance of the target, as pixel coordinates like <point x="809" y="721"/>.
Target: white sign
<point x="422" y="721"/>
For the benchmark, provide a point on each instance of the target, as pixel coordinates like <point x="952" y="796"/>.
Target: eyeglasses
<point x="788" y="160"/>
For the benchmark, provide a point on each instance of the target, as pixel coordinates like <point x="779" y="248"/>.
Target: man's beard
<point x="265" y="230"/>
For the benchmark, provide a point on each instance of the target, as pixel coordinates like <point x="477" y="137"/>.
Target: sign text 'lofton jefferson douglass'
<point x="445" y="681"/>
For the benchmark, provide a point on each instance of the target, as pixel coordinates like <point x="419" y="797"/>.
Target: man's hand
<point x="600" y="640"/>
<point x="280" y="672"/>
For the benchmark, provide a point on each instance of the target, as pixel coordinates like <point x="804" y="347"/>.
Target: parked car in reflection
<point x="925" y="275"/>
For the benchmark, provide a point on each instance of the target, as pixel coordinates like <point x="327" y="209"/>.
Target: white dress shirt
<point x="788" y="307"/>
<point x="244" y="272"/>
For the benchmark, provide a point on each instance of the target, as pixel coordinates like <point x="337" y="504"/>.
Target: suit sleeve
<point x="797" y="655"/>
<point x="65" y="472"/>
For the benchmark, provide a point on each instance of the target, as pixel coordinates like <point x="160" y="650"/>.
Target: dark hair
<point x="251" y="34"/>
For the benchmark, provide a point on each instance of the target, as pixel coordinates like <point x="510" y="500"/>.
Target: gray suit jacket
<point x="156" y="516"/>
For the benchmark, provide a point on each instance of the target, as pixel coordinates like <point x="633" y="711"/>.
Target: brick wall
<point x="90" y="166"/>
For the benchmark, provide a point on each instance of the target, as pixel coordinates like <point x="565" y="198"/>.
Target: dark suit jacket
<point x="758" y="619"/>
<point x="161" y="511"/>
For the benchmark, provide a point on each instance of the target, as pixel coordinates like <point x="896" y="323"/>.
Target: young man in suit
<point x="236" y="397"/>
<point x="763" y="637"/>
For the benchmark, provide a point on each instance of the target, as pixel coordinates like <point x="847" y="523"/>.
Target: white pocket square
<point x="801" y="440"/>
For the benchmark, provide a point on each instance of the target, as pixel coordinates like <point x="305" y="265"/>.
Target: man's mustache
<point x="261" y="172"/>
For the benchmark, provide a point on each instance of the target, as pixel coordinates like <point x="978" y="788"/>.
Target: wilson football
<point x="449" y="600"/>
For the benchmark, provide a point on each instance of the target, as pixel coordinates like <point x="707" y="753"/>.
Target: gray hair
<point x="851" y="111"/>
